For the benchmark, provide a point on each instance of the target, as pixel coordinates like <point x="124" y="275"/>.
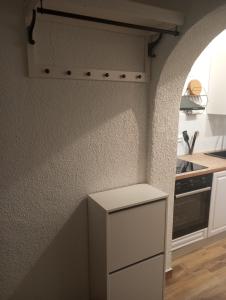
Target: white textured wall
<point x="63" y="139"/>
<point x="173" y="70"/>
<point x="60" y="140"/>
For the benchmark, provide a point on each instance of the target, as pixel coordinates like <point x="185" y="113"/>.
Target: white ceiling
<point x="179" y="5"/>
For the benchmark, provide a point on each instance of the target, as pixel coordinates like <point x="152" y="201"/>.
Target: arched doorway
<point x="165" y="107"/>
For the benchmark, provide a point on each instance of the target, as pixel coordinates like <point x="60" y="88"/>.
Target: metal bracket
<point x="30" y="28"/>
<point x="153" y="45"/>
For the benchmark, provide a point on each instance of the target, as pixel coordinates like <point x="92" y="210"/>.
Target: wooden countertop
<point x="213" y="164"/>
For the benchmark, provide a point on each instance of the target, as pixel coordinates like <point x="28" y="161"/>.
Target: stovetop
<point x="186" y="166"/>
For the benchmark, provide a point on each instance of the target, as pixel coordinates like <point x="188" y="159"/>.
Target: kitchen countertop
<point x="213" y="164"/>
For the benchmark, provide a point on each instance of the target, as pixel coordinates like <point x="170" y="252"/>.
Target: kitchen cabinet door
<point x="217" y="217"/>
<point x="217" y="91"/>
<point x="142" y="281"/>
<point x="135" y="234"/>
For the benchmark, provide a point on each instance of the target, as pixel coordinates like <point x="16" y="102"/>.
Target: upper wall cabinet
<point x="217" y="90"/>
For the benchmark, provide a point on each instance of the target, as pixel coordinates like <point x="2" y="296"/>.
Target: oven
<point x="191" y="205"/>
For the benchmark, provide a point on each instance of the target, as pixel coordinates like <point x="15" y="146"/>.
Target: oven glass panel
<point x="191" y="213"/>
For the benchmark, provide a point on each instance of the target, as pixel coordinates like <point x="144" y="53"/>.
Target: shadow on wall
<point x="64" y="149"/>
<point x="54" y="115"/>
<point x="61" y="140"/>
<point x="42" y="117"/>
<point x="60" y="269"/>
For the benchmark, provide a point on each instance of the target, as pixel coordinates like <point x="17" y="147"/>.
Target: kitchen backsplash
<point x="212" y="132"/>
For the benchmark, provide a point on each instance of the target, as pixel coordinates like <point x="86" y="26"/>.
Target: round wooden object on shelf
<point x="195" y="87"/>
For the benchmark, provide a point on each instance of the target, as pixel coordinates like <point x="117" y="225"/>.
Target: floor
<point x="199" y="275"/>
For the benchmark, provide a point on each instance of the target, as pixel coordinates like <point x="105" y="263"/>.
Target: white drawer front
<point x="135" y="234"/>
<point x="143" y="281"/>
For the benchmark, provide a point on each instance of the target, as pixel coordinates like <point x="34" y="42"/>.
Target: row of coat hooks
<point x="89" y="74"/>
<point x="94" y="74"/>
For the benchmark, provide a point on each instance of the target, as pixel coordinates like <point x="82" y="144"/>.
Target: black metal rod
<point x="104" y="21"/>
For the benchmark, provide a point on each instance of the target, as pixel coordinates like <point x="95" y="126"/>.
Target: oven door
<point x="191" y="212"/>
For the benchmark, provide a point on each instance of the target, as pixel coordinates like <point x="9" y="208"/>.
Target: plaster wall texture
<point x="174" y="61"/>
<point x="63" y="139"/>
<point x="60" y="140"/>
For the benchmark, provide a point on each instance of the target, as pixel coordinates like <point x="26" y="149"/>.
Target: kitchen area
<point x="199" y="207"/>
<point x="200" y="188"/>
<point x="199" y="212"/>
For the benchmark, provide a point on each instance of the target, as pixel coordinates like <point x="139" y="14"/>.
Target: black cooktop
<point x="187" y="166"/>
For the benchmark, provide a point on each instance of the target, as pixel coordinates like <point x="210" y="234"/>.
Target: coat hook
<point x="69" y="72"/>
<point x="106" y="74"/>
<point x="123" y="76"/>
<point x="139" y="76"/>
<point x="47" y="71"/>
<point x="88" y="73"/>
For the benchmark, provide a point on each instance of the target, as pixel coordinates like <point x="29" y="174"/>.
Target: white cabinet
<point x="217" y="89"/>
<point x="217" y="217"/>
<point x="140" y="281"/>
<point x="127" y="243"/>
<point x="134" y="234"/>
